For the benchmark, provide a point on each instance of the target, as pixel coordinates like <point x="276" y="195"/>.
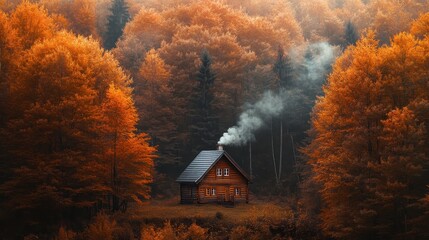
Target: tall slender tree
<point x="154" y="101"/>
<point x="351" y="35"/>
<point x="283" y="71"/>
<point x="130" y="154"/>
<point x="158" y="116"/>
<point x="204" y="124"/>
<point x="116" y="23"/>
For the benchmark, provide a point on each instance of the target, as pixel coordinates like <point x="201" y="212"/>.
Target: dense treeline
<point x="241" y="50"/>
<point x="104" y="102"/>
<point x="68" y="135"/>
<point x="369" y="148"/>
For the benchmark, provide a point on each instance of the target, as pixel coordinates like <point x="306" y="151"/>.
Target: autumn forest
<point x="323" y="103"/>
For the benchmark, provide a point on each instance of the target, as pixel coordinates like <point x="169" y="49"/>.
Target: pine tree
<point x="204" y="125"/>
<point x="116" y="23"/>
<point x="351" y="35"/>
<point x="283" y="69"/>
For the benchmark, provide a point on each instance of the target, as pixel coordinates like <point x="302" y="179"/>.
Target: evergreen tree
<point x="204" y="125"/>
<point x="116" y="23"/>
<point x="351" y="35"/>
<point x="283" y="69"/>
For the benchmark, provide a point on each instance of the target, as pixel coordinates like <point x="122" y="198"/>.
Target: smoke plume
<point x="252" y="119"/>
<point x="310" y="71"/>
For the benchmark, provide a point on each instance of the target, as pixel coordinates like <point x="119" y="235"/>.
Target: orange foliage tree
<point x="9" y="48"/>
<point x="369" y="150"/>
<point x="155" y="102"/>
<point x="386" y="17"/>
<point x="420" y="26"/>
<point x="319" y="22"/>
<point x="32" y="23"/>
<point x="83" y="17"/>
<point x="130" y="154"/>
<point x="65" y="97"/>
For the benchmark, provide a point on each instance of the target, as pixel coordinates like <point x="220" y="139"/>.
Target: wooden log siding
<point x="200" y="178"/>
<point x="188" y="193"/>
<point x="223" y="183"/>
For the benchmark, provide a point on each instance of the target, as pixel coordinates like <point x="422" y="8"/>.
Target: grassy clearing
<point x="167" y="219"/>
<point x="239" y="213"/>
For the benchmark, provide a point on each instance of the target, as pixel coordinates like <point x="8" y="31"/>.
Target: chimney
<point x="219" y="147"/>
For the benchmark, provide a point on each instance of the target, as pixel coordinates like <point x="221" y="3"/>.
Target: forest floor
<point x="270" y="218"/>
<point x="241" y="212"/>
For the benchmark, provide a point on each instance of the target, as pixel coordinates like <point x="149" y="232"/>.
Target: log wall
<point x="224" y="185"/>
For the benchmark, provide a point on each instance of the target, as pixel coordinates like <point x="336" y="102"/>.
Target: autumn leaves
<point x="369" y="149"/>
<point x="68" y="123"/>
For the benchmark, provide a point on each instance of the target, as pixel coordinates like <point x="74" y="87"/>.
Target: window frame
<point x="237" y="191"/>
<point x="226" y="171"/>
<point x="208" y="191"/>
<point x="213" y="191"/>
<point x="219" y="172"/>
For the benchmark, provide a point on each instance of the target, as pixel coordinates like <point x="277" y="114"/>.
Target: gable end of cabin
<point x="213" y="178"/>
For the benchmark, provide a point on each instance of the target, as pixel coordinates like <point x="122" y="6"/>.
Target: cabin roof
<point x="202" y="164"/>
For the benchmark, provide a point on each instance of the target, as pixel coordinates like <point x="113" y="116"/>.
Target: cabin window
<point x="207" y="191"/>
<point x="213" y="191"/>
<point x="219" y="172"/>
<point x="237" y="191"/>
<point x="226" y="172"/>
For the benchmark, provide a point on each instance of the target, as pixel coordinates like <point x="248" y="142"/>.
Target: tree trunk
<point x="115" y="198"/>
<point x="294" y="154"/>
<point x="281" y="149"/>
<point x="250" y="160"/>
<point x="273" y="154"/>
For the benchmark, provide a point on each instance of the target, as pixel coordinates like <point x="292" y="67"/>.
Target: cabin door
<point x="227" y="197"/>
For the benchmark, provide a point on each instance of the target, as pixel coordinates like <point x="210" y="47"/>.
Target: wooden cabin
<point x="213" y="176"/>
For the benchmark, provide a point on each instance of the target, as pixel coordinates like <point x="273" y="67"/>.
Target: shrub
<point x="101" y="228"/>
<point x="148" y="233"/>
<point x="124" y="232"/>
<point x="241" y="232"/>
<point x="64" y="234"/>
<point x="195" y="232"/>
<point x="167" y="232"/>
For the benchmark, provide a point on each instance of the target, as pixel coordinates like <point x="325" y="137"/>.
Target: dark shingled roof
<point x="202" y="163"/>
